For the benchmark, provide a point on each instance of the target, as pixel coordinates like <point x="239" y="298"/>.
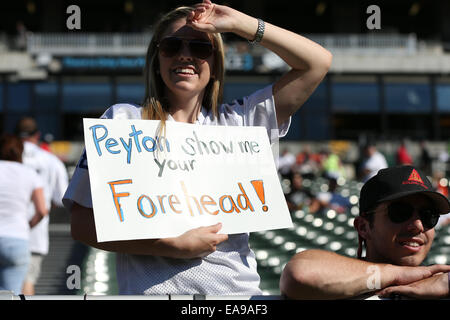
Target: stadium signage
<point x="150" y="184"/>
<point x="103" y="63"/>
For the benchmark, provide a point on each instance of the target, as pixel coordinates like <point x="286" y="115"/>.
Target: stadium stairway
<point x="63" y="252"/>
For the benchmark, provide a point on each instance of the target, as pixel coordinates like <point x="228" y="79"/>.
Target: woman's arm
<point x="309" y="61"/>
<point x="40" y="209"/>
<point x="195" y="243"/>
<point x="319" y="274"/>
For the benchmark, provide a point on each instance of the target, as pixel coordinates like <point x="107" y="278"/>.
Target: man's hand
<point x="404" y="275"/>
<point x="434" y="287"/>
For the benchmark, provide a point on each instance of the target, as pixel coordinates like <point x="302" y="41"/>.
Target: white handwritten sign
<point x="145" y="185"/>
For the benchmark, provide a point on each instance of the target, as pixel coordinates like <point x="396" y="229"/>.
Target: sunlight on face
<point x="406" y="243"/>
<point x="185" y="76"/>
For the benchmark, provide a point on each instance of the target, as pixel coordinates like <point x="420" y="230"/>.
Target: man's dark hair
<point x="26" y="127"/>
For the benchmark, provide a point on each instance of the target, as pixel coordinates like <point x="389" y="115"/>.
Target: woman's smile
<point x="185" y="70"/>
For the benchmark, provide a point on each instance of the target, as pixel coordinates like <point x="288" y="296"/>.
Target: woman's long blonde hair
<point x="155" y="103"/>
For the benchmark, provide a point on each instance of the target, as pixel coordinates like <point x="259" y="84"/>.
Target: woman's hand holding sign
<point x="199" y="242"/>
<point x="195" y="243"/>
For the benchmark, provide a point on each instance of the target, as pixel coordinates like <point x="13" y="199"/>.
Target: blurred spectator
<point x="444" y="220"/>
<point x="331" y="165"/>
<point x="307" y="163"/>
<point x="443" y="156"/>
<point x="21" y="36"/>
<point x="54" y="175"/>
<point x="46" y="142"/>
<point x="299" y="197"/>
<point x="19" y="187"/>
<point x="440" y="183"/>
<point x="332" y="199"/>
<point x="402" y="155"/>
<point x="285" y="163"/>
<point x="425" y="159"/>
<point x="373" y="161"/>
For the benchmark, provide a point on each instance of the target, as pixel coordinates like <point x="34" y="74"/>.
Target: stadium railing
<point x="136" y="43"/>
<point x="8" y="295"/>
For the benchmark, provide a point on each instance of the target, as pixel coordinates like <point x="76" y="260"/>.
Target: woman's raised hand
<point x="210" y="17"/>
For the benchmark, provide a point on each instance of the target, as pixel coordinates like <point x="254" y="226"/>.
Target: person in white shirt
<point x="443" y="221"/>
<point x="285" y="163"/>
<point x="54" y="176"/>
<point x="374" y="162"/>
<point x="184" y="82"/>
<point x="19" y="186"/>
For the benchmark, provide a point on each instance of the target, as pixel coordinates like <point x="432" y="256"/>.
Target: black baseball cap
<point x="398" y="182"/>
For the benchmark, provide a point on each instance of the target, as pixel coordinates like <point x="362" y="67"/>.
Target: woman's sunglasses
<point x="399" y="212"/>
<point x="200" y="49"/>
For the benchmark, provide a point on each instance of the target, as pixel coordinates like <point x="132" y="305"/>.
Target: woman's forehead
<point x="179" y="29"/>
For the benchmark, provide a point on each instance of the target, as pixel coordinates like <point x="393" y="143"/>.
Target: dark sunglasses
<point x="399" y="212"/>
<point x="200" y="49"/>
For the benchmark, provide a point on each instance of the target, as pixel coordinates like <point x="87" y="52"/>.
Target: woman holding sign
<point x="184" y="82"/>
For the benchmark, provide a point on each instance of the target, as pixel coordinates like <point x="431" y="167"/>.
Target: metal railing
<point x="8" y="295"/>
<point x="368" y="43"/>
<point x="136" y="43"/>
<point x="88" y="43"/>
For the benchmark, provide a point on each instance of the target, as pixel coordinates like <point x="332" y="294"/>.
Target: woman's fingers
<point x="214" y="228"/>
<point x="201" y="241"/>
<point x="216" y="237"/>
<point x="202" y="12"/>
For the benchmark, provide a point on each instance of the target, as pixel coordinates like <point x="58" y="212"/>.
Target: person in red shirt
<point x="403" y="157"/>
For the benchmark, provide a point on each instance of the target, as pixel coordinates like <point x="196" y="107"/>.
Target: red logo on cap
<point x="414" y="178"/>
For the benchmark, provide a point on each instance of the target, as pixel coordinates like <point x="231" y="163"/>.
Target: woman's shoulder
<point x="233" y="106"/>
<point x="260" y="95"/>
<point x="17" y="168"/>
<point x="123" y="111"/>
<point x="12" y="164"/>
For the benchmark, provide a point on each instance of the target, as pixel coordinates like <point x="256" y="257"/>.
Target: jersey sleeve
<point x="79" y="189"/>
<point x="258" y="109"/>
<point x="36" y="180"/>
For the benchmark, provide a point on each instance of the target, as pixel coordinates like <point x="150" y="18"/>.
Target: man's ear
<point x="362" y="226"/>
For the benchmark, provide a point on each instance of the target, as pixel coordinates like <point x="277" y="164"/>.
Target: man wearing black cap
<point x="398" y="212"/>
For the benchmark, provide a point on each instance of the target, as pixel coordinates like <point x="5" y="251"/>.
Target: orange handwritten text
<point x="237" y="201"/>
<point x="116" y="196"/>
